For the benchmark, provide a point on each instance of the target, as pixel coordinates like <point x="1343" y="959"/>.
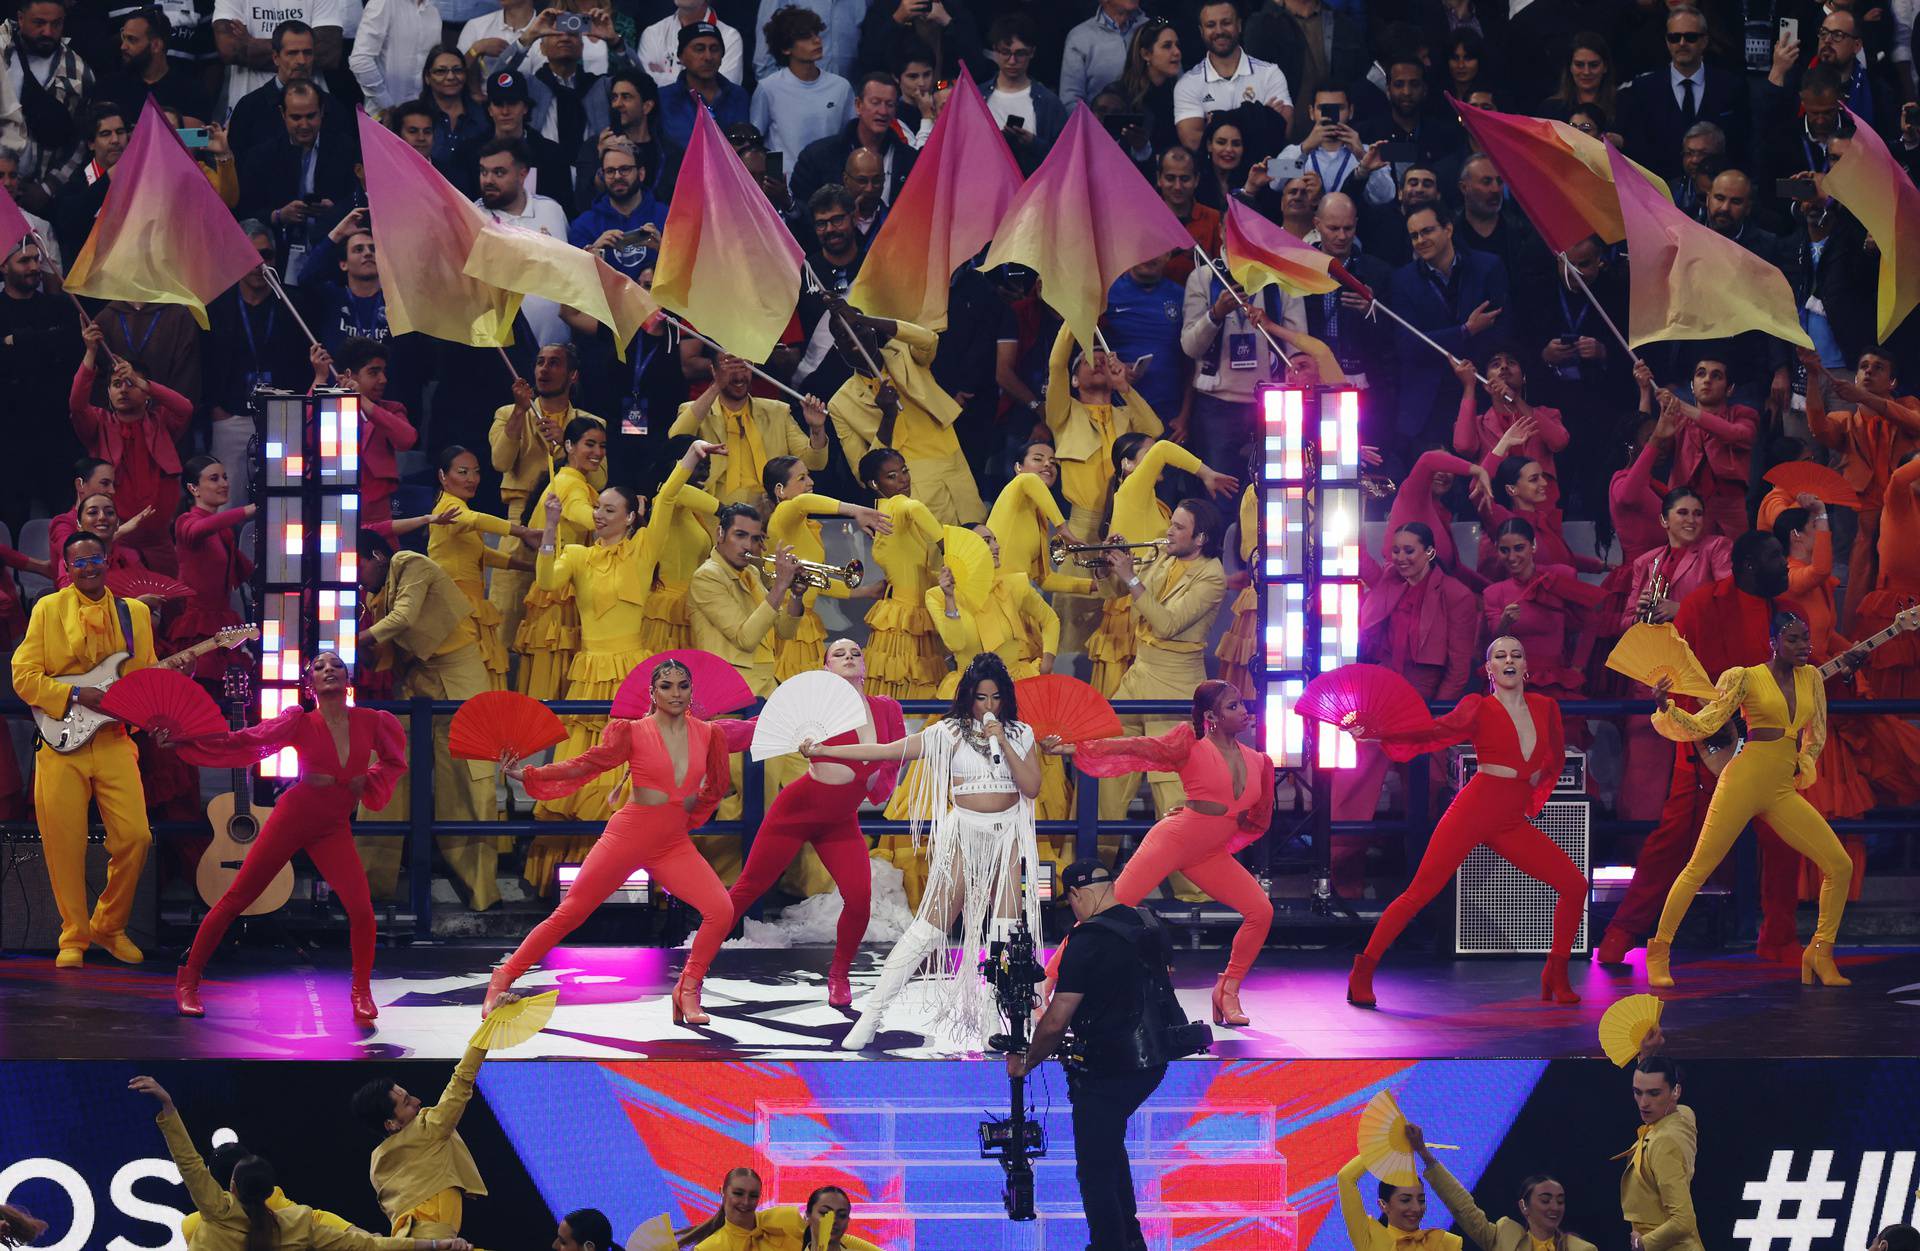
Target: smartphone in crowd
<point x="1330" y="114"/>
<point x="193" y="136"/>
<point x="1016" y="122"/>
<point x="1790" y="29"/>
<point x="1794" y="188"/>
<point x="777" y="164"/>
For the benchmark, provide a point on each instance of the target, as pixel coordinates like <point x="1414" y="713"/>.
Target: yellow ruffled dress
<point x="686" y="543"/>
<point x="549" y="631"/>
<point x="905" y="659"/>
<point x="459" y="548"/>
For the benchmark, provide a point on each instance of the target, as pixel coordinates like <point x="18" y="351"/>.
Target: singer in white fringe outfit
<point x="975" y="792"/>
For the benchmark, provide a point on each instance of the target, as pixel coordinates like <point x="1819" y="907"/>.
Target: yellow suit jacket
<point x="1176" y="619"/>
<point x="522" y="457"/>
<point x="1656" y="1191"/>
<point x="425" y="614"/>
<point x="59" y="641"/>
<point x="223" y="1222"/>
<point x="1084" y="450"/>
<point x="1008" y="624"/>
<point x="1505" y="1234"/>
<point x="776" y="430"/>
<point x="728" y="613"/>
<point x="924" y="428"/>
<point x="427" y="1156"/>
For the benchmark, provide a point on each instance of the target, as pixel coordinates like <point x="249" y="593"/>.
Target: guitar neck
<point x="1887" y="635"/>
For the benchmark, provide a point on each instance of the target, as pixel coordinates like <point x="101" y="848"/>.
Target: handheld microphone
<point x="993" y="748"/>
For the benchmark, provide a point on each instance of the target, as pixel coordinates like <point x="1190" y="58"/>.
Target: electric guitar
<point x="76" y="729"/>
<point x="1715" y="752"/>
<point x="236" y="822"/>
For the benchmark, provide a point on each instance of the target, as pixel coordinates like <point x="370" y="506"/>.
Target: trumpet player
<point x="1174" y="599"/>
<point x="789" y="485"/>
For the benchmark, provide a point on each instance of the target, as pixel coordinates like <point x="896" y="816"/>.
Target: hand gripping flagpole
<point x="273" y="281"/>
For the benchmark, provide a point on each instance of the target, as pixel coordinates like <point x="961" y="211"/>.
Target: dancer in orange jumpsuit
<point x="1229" y="803"/>
<point x="678" y="770"/>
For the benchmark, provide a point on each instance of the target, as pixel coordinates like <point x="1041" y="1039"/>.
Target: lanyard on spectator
<point x="126" y="333"/>
<point x="1567" y="312"/>
<point x="1570" y="270"/>
<point x="246" y="324"/>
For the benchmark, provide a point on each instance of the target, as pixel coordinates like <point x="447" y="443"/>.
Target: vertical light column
<point x="309" y="448"/>
<point x="1308" y="560"/>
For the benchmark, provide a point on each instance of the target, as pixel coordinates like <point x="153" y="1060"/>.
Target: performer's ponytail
<point x="252" y="1184"/>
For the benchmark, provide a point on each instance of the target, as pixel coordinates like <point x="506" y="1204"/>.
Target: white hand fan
<point x="814" y="705"/>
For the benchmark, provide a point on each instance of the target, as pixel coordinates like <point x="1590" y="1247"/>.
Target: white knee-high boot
<point x="914" y="946"/>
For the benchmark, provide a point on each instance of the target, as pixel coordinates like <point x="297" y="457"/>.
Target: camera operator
<point x="1112" y="978"/>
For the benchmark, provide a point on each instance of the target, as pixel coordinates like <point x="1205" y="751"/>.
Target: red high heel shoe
<point x="364" y="1009"/>
<point x="686" y="1004"/>
<point x="1226" y="1003"/>
<point x="1553" y="981"/>
<point x="186" y="994"/>
<point x="1360" y="981"/>
<point x="839" y="989"/>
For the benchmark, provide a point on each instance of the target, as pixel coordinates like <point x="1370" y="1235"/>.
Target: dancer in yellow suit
<point x="71" y="631"/>
<point x="752" y="430"/>
<point x="1785" y="704"/>
<point x="422" y="1171"/>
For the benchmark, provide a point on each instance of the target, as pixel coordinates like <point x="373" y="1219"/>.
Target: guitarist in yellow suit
<point x="70" y="632"/>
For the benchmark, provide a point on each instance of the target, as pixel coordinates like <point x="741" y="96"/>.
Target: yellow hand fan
<point x="1626" y="1024"/>
<point x="515" y="1021"/>
<point x="971" y="560"/>
<point x="1383" y="1142"/>
<point x="653" y="1235"/>
<point x="1648" y="652"/>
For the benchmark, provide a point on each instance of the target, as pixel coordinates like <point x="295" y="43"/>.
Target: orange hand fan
<point x="1805" y="477"/>
<point x="164" y="699"/>
<point x="131" y="582"/>
<point x="1625" y="1026"/>
<point x="494" y="722"/>
<point x="1054" y="703"/>
<point x="1383" y="1145"/>
<point x="1367" y="701"/>
<point x="1648" y="652"/>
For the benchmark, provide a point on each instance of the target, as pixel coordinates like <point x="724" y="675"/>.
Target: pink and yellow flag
<point x="1691" y="282"/>
<point x="14" y="225"/>
<point x="1873" y="187"/>
<point x="1561" y="177"/>
<point x="163" y="235"/>
<point x="1083" y="219"/>
<point x="954" y="199"/>
<point x="1260" y="253"/>
<point x="727" y="261"/>
<point x="423" y="232"/>
<point x="536" y="264"/>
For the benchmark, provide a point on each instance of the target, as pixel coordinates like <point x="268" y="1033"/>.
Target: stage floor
<point x="771" y="1005"/>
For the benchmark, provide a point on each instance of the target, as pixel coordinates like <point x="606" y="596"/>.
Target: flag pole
<point x="1574" y="272"/>
<point x="1417" y="333"/>
<point x="508" y="362"/>
<point x="273" y="280"/>
<point x="1226" y="280"/>
<point x="766" y="377"/>
<point x="845" y="325"/>
<point x="33" y="236"/>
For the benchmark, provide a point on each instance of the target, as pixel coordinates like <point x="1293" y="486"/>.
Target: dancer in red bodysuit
<point x="348" y="756"/>
<point x="671" y="798"/>
<point x="1223" y="813"/>
<point x="1511" y="784"/>
<point x="822" y="808"/>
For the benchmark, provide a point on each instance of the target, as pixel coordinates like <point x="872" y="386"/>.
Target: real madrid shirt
<point x="1202" y="90"/>
<point x="259" y="17"/>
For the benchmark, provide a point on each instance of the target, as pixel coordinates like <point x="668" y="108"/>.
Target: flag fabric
<point x="1260" y="253"/>
<point x="423" y="232"/>
<point x="14" y="225"/>
<point x="1561" y="177"/>
<point x="532" y="263"/>
<point x="1691" y="282"/>
<point x="141" y="247"/>
<point x="1083" y="219"/>
<point x="953" y="201"/>
<point x="727" y="262"/>
<point x="1870" y="183"/>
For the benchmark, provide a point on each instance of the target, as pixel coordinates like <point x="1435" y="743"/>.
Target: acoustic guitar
<point x="76" y="729"/>
<point x="236" y="822"/>
<point x="1716" y="752"/>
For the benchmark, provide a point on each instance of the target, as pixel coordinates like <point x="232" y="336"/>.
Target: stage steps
<point x="1204" y="1174"/>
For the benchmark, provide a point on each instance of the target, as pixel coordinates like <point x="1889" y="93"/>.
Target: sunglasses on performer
<point x="84" y="563"/>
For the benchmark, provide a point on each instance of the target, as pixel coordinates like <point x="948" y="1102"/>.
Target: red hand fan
<point x="1054" y="703"/>
<point x="131" y="582"/>
<point x="493" y="722"/>
<point x="1804" y="477"/>
<point x="1364" y="700"/>
<point x="717" y="685"/>
<point x="155" y="699"/>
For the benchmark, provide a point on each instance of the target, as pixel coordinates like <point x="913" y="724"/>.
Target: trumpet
<point x="1657" y="587"/>
<point x="1094" y="555"/>
<point x="1378" y="485"/>
<point x="813" y="574"/>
